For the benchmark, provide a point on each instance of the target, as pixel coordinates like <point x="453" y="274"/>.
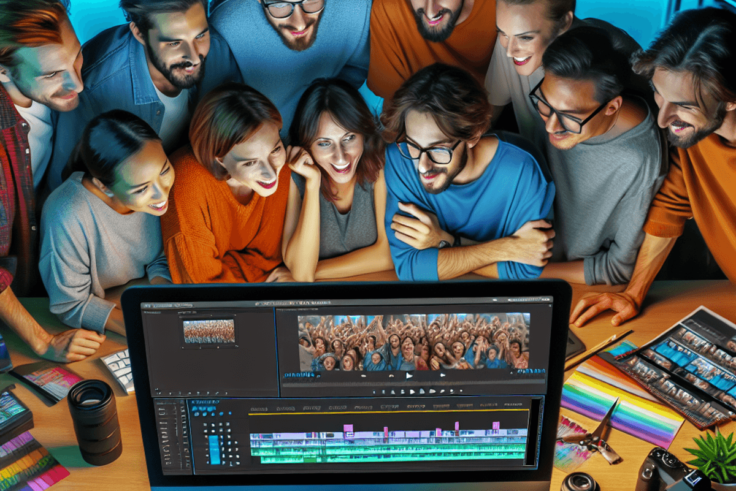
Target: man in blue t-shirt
<point x="460" y="201"/>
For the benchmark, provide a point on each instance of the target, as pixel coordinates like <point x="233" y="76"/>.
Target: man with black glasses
<point x="605" y="154"/>
<point x="459" y="200"/>
<point x="281" y="47"/>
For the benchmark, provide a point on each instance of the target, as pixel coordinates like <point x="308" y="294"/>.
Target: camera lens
<point x="579" y="481"/>
<point x="670" y="460"/>
<point x="95" y="417"/>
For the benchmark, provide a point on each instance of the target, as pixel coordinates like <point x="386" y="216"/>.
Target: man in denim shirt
<point x="157" y="67"/>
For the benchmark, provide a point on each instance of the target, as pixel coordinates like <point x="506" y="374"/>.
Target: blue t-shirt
<point x="511" y="191"/>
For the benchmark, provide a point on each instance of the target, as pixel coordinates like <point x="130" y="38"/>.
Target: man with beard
<point x="448" y="183"/>
<point x="153" y="67"/>
<point x="605" y="154"/>
<point x="282" y="46"/>
<point x="692" y="70"/>
<point x="40" y="63"/>
<point x="455" y="32"/>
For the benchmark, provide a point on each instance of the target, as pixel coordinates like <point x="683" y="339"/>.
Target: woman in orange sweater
<point x="226" y="212"/>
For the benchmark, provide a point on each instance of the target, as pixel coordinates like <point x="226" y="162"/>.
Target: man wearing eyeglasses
<point x="281" y="47"/>
<point x="460" y="201"/>
<point x="605" y="154"/>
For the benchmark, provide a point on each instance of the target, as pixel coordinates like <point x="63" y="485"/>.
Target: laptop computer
<point x="395" y="386"/>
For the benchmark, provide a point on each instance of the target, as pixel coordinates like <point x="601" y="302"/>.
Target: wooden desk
<point x="667" y="303"/>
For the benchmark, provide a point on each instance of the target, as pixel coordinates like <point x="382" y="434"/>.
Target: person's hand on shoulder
<point x="593" y="304"/>
<point x="72" y="345"/>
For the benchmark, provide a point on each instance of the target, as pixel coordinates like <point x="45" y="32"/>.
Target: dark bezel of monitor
<point x="133" y="297"/>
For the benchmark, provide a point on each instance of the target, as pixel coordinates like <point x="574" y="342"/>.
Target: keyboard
<point x="119" y="365"/>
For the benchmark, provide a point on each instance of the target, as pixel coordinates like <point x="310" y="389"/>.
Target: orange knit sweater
<point x="209" y="237"/>
<point x="701" y="183"/>
<point x="398" y="50"/>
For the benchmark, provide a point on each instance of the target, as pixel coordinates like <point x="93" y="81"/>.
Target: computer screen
<point x="310" y="386"/>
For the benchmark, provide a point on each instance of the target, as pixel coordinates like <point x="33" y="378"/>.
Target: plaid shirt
<point x="18" y="228"/>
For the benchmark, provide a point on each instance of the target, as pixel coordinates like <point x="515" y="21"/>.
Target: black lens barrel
<point x="95" y="417"/>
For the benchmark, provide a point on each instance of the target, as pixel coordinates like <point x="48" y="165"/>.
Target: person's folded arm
<point x="301" y="240"/>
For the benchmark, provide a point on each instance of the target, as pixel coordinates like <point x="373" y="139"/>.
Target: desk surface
<point x="667" y="303"/>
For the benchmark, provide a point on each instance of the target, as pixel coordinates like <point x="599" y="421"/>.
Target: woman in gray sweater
<point x="334" y="225"/>
<point x="100" y="229"/>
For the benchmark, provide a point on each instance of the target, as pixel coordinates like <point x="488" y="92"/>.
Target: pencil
<point x="592" y="351"/>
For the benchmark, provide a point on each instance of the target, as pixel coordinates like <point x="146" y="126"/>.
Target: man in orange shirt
<point x="692" y="70"/>
<point x="455" y="32"/>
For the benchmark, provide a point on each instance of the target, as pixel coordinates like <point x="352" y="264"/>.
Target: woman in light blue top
<point x="100" y="229"/>
<point x="334" y="225"/>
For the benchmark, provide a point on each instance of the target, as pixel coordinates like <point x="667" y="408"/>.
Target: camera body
<point x="661" y="470"/>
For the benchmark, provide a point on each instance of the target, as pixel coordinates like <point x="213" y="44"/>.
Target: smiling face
<point x="144" y="180"/>
<point x="49" y="74"/>
<point x="686" y="119"/>
<point x="525" y="31"/>
<point x="298" y="31"/>
<point x="394" y="340"/>
<point x="337" y="150"/>
<point x="436" y="19"/>
<point x="376" y="358"/>
<point x="458" y="349"/>
<point x="329" y="363"/>
<point x="407" y="349"/>
<point x="347" y="363"/>
<point x="439" y="350"/>
<point x="515" y="348"/>
<point x="177" y="45"/>
<point x="422" y="130"/>
<point x="256" y="162"/>
<point x="575" y="98"/>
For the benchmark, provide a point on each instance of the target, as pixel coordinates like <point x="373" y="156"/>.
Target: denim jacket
<point x="116" y="76"/>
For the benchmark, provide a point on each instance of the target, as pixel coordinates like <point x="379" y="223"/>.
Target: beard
<point x="698" y="135"/>
<point x="437" y="35"/>
<point x="300" y="43"/>
<point x="179" y="81"/>
<point x="448" y="177"/>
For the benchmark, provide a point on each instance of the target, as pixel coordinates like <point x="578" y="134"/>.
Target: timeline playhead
<point x="253" y="436"/>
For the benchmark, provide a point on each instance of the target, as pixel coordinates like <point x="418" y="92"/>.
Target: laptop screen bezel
<point x="133" y="297"/>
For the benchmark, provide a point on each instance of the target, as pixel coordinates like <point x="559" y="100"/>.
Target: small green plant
<point x="716" y="457"/>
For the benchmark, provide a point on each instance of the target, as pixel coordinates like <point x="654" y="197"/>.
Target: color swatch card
<point x="569" y="456"/>
<point x="51" y="380"/>
<point x="25" y="465"/>
<point x="634" y="415"/>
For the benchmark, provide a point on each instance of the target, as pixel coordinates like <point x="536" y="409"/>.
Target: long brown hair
<point x="348" y="109"/>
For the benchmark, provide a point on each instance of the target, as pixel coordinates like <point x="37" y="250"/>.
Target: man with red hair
<point x="40" y="63"/>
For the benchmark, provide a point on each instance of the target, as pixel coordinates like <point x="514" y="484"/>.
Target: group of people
<point x="414" y="342"/>
<point x="230" y="142"/>
<point x="216" y="331"/>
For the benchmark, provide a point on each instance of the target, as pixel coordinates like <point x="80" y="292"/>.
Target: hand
<point x="280" y="275"/>
<point x="72" y="345"/>
<point x="623" y="303"/>
<point x="301" y="162"/>
<point x="421" y="232"/>
<point x="532" y="243"/>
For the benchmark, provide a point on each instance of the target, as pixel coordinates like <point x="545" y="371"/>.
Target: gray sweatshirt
<point x="604" y="189"/>
<point x="87" y="247"/>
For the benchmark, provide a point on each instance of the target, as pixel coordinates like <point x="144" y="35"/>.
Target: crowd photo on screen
<point x="209" y="331"/>
<point x="407" y="342"/>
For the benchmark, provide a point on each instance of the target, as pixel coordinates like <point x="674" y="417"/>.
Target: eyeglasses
<point x="438" y="155"/>
<point x="569" y="123"/>
<point x="282" y="10"/>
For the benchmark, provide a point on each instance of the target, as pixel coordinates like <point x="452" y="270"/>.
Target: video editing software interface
<point x="314" y="386"/>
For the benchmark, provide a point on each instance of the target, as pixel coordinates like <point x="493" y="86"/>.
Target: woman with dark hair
<point x="347" y="363"/>
<point x="334" y="224"/>
<point x="227" y="211"/>
<point x="519" y="358"/>
<point x="525" y="29"/>
<point x="493" y="358"/>
<point x="100" y="229"/>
